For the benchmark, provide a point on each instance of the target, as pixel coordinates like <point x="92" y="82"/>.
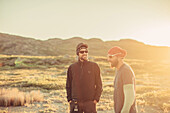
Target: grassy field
<point x="41" y="74"/>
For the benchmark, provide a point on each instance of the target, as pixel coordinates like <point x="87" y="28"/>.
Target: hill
<point x="17" y="45"/>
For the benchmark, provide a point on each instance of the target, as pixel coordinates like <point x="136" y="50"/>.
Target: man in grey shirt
<point x="124" y="83"/>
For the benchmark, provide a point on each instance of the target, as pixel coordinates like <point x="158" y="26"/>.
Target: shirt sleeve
<point x="127" y="77"/>
<point x="68" y="84"/>
<point x="98" y="83"/>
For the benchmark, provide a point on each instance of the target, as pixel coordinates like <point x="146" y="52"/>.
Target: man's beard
<point x="84" y="59"/>
<point x="114" y="64"/>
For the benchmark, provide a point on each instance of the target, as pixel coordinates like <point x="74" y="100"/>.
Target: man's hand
<point x="70" y="101"/>
<point x="95" y="101"/>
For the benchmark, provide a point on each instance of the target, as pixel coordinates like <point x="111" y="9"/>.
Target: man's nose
<point x="84" y="53"/>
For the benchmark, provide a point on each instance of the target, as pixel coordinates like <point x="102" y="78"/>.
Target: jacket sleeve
<point x="68" y="84"/>
<point x="98" y="83"/>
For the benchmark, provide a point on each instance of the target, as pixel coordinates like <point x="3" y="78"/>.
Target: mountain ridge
<point x="19" y="45"/>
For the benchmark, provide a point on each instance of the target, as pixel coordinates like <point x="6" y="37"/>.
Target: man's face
<point x="113" y="60"/>
<point x="83" y="54"/>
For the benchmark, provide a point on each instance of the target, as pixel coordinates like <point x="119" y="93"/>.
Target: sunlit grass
<point x="14" y="97"/>
<point x="152" y="82"/>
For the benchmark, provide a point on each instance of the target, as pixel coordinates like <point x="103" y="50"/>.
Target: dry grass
<point x="152" y="84"/>
<point x="14" y="97"/>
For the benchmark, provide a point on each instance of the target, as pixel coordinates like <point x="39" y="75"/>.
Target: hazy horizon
<point x="86" y="38"/>
<point x="144" y="21"/>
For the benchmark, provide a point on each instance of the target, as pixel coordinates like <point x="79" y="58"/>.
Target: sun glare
<point x="158" y="36"/>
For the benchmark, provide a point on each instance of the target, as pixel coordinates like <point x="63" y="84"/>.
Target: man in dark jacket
<point x="83" y="85"/>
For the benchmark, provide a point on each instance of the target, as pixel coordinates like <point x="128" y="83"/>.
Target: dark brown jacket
<point x="84" y="81"/>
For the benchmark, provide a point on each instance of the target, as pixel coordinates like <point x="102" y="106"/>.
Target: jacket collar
<point x="80" y="62"/>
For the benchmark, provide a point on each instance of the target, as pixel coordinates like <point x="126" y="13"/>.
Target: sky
<point x="146" y="21"/>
